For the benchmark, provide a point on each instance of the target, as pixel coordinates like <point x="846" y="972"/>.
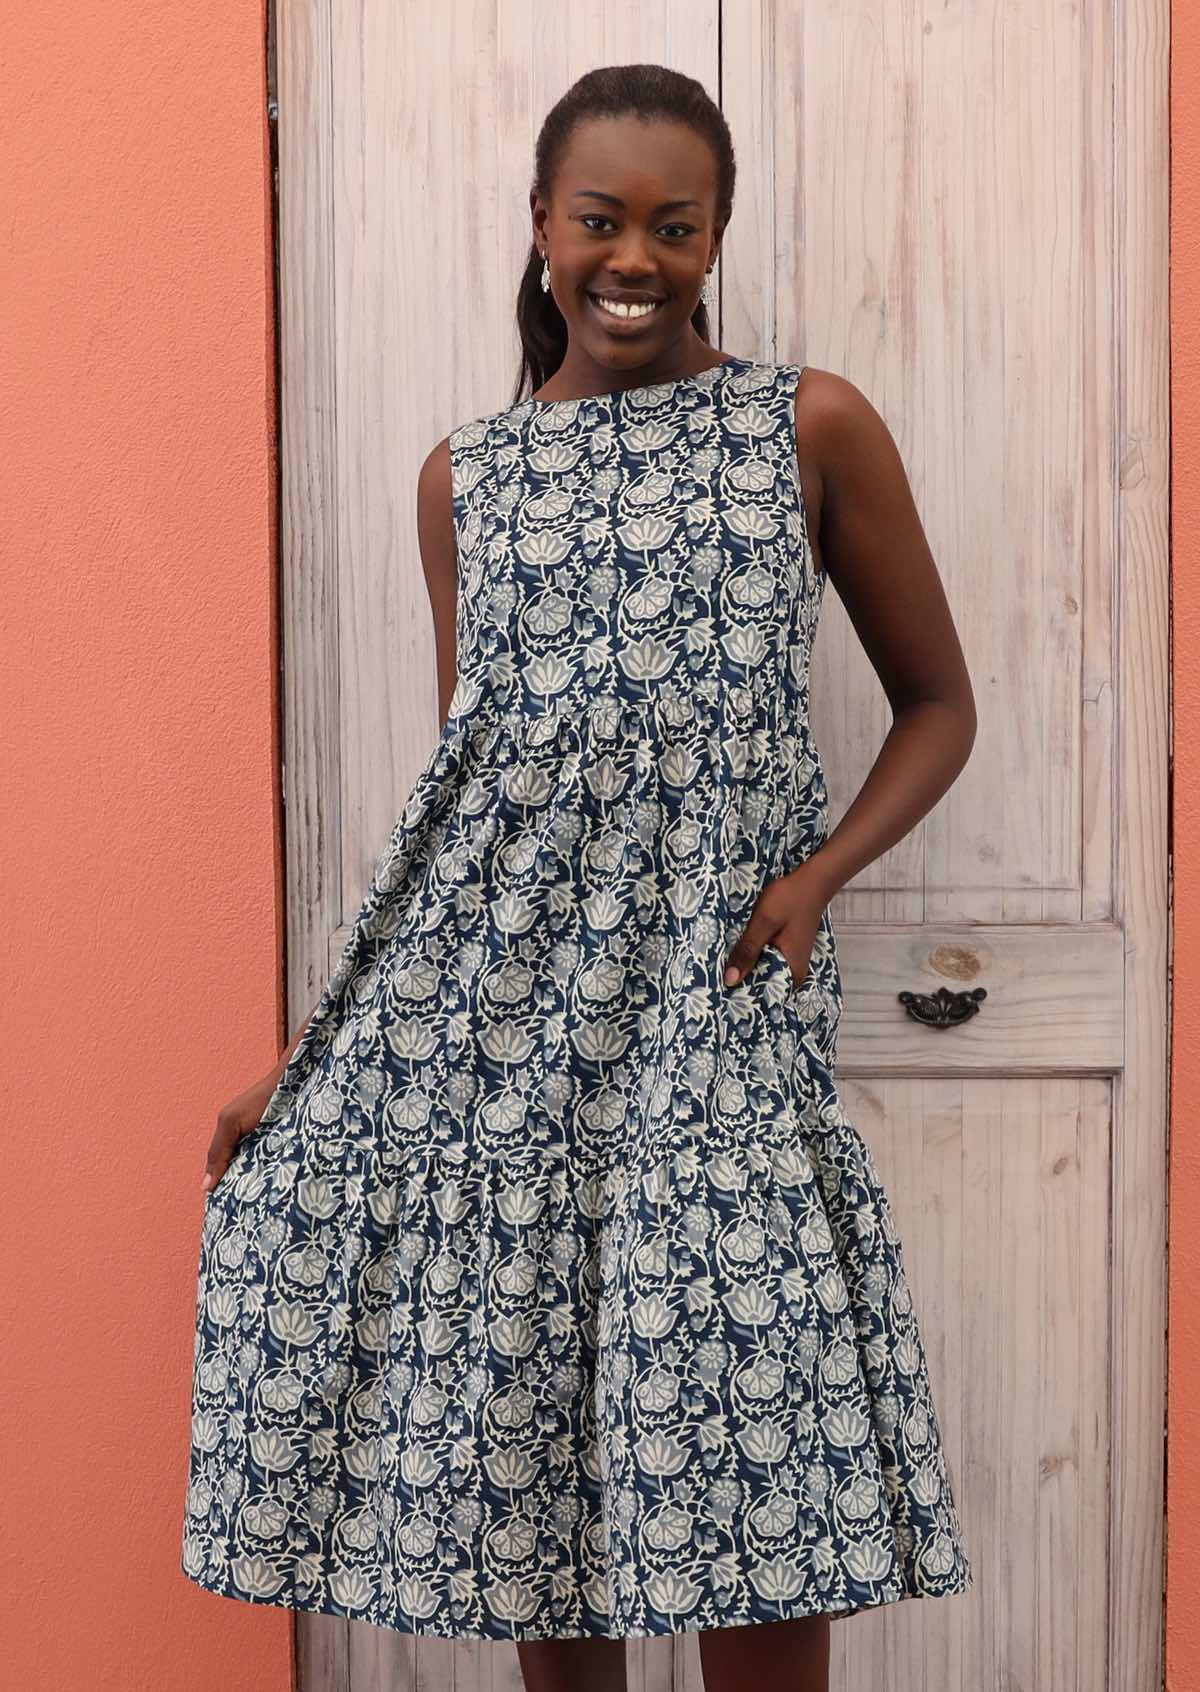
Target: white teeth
<point x="617" y="309"/>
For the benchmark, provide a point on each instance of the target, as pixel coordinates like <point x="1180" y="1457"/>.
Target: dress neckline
<point x="708" y="374"/>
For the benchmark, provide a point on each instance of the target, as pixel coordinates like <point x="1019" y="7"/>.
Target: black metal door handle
<point x="943" y="1009"/>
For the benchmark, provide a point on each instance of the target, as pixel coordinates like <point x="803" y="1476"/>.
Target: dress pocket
<point x="815" y="1001"/>
<point x="778" y="952"/>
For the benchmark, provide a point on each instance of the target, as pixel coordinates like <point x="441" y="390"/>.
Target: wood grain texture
<point x="963" y="210"/>
<point x="308" y="500"/>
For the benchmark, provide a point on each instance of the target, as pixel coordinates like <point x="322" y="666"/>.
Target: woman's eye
<point x="599" y="217"/>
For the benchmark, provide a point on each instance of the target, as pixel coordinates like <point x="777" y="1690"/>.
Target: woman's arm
<point x="876" y="555"/>
<point x="435" y="535"/>
<point x="271" y="1079"/>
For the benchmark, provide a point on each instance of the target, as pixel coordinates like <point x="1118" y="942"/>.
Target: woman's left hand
<point x="786" y="915"/>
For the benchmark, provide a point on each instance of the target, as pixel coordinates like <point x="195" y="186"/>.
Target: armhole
<point x="457" y="519"/>
<point x="455" y="500"/>
<point x="794" y="372"/>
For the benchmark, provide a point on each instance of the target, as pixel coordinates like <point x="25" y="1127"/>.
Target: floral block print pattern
<point x="555" y="1294"/>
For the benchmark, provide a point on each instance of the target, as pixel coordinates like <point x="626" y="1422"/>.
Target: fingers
<point x="220" y="1153"/>
<point x="757" y="933"/>
<point x="766" y="927"/>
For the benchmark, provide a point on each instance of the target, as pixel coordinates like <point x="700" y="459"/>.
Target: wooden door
<point x="963" y="209"/>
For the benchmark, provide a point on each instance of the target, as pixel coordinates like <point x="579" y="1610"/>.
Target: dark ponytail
<point x="644" y="91"/>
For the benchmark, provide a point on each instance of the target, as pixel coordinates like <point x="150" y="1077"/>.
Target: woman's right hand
<point x="241" y="1116"/>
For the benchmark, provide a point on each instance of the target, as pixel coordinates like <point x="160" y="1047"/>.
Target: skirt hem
<point x="519" y="1635"/>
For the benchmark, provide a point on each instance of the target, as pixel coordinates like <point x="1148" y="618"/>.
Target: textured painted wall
<point x="140" y="852"/>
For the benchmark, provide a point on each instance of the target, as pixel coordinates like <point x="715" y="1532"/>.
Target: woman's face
<point x="631" y="219"/>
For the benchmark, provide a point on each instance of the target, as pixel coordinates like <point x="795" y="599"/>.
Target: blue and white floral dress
<point x="556" y="1294"/>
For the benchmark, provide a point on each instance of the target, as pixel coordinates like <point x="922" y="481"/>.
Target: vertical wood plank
<point x="1139" y="1219"/>
<point x="309" y="495"/>
<point x="322" y="1653"/>
<point x="938" y="1255"/>
<point x="649" y="1664"/>
<point x="308" y="570"/>
<point x="1095" y="1151"/>
<point x="380" y="1657"/>
<point x="505" y="1669"/>
<point x="688" y="1674"/>
<point x="435" y="1666"/>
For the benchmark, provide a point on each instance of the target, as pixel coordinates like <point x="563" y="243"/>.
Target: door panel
<point x="963" y="210"/>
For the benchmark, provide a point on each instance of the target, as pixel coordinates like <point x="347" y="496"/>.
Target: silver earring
<point x="706" y="293"/>
<point x="545" y="276"/>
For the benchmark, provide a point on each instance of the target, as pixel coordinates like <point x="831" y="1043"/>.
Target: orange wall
<point x="141" y="852"/>
<point x="139" y="855"/>
<point x="1183" y="1317"/>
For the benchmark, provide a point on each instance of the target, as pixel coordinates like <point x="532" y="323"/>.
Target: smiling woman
<point x="643" y="129"/>
<point x="554" y="1296"/>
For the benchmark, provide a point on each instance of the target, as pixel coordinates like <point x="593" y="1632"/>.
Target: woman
<point x="547" y="1292"/>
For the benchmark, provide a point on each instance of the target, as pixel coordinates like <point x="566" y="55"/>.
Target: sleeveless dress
<point x="556" y="1294"/>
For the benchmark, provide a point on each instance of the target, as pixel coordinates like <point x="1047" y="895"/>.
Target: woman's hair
<point x="644" y="91"/>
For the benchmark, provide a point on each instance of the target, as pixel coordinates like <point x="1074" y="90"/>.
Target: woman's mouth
<point x="624" y="317"/>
